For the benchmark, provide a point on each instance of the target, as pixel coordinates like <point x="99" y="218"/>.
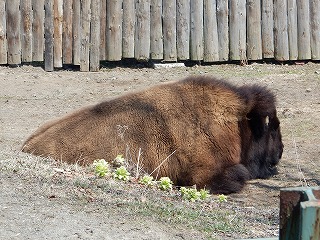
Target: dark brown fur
<point x="217" y="133"/>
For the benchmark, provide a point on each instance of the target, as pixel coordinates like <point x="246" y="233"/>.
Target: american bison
<point x="200" y="131"/>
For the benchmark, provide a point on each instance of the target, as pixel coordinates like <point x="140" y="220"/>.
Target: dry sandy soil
<point x="41" y="199"/>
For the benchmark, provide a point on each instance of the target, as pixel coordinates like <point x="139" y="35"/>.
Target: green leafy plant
<point x="191" y="194"/>
<point x="222" y="198"/>
<point x="165" y="184"/>
<point x="101" y="167"/>
<point x="121" y="173"/>
<point x="147" y="180"/>
<point x="204" y="194"/>
<point x="119" y="160"/>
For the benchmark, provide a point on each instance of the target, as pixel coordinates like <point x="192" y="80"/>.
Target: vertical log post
<point x="156" y="32"/>
<point x="48" y="33"/>
<point x="57" y="32"/>
<point x="254" y="41"/>
<point x="304" y="40"/>
<point x="196" y="28"/>
<point x="169" y="30"/>
<point x="85" y="19"/>
<point x="183" y="29"/>
<point x="26" y="31"/>
<point x="267" y="29"/>
<point x="128" y="28"/>
<point x="13" y="32"/>
<point x="3" y="31"/>
<point x="315" y="29"/>
<point x="103" y="29"/>
<point x="223" y="29"/>
<point x="142" y="30"/>
<point x="95" y="36"/>
<point x="281" y="45"/>
<point x="76" y="31"/>
<point x="237" y="30"/>
<point x="211" y="43"/>
<point x="67" y="31"/>
<point x="292" y="30"/>
<point x="38" y="30"/>
<point x="114" y="30"/>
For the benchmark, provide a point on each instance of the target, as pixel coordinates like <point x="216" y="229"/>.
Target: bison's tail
<point x="33" y="146"/>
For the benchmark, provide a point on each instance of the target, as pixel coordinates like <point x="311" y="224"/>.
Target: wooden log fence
<point x="85" y="32"/>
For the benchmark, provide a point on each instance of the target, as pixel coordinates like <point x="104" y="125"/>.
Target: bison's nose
<point x="274" y="171"/>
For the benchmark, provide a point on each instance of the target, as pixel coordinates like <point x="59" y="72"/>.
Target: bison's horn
<point x="267" y="120"/>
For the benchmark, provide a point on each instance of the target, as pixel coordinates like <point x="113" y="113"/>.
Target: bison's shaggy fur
<point x="217" y="135"/>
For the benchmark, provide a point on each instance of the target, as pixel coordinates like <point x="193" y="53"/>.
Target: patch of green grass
<point x="193" y="216"/>
<point x="82" y="182"/>
<point x="131" y="199"/>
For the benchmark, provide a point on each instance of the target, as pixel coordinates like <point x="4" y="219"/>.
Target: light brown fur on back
<point x="194" y="120"/>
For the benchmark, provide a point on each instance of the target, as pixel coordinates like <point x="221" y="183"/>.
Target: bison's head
<point x="260" y="134"/>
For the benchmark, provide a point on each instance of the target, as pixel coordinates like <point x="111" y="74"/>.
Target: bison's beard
<point x="262" y="168"/>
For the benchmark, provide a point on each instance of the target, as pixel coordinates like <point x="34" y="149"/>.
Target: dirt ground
<point x="34" y="205"/>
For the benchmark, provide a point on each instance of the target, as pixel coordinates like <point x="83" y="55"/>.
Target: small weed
<point x="165" y="184"/>
<point x="191" y="194"/>
<point x="204" y="194"/>
<point x="121" y="173"/>
<point x="222" y="198"/>
<point x="101" y="167"/>
<point x="147" y="180"/>
<point x="119" y="161"/>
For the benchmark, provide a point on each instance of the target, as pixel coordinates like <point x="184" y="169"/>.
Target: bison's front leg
<point x="231" y="180"/>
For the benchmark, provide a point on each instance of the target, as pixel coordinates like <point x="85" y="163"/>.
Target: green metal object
<point x="310" y="217"/>
<point x="300" y="213"/>
<point x="262" y="239"/>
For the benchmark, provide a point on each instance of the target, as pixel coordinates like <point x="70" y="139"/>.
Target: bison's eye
<point x="274" y="123"/>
